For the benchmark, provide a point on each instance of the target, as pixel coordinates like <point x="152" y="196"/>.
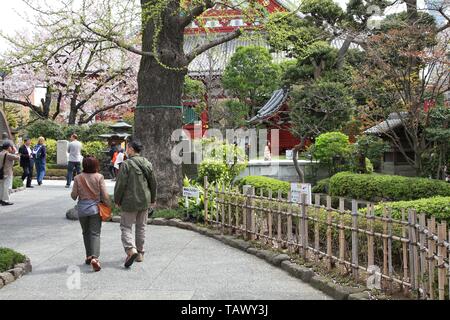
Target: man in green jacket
<point x="134" y="194"/>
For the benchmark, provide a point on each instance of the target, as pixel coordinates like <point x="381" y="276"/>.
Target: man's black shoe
<point x="7" y="203"/>
<point x="31" y="187"/>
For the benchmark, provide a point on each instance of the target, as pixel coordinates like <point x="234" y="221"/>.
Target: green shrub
<point x="439" y="207"/>
<point x="95" y="148"/>
<point x="222" y="162"/>
<point x="17" y="183"/>
<point x="266" y="184"/>
<point x="45" y="128"/>
<point x="322" y="186"/>
<point x="377" y="187"/>
<point x="9" y="258"/>
<point x="49" y="172"/>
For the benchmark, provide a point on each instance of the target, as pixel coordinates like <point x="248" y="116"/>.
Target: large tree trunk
<point x="156" y="117"/>
<point x="297" y="149"/>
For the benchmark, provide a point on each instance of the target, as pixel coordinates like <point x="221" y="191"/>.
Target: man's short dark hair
<point x="136" y="145"/>
<point x="74" y="135"/>
<point x="6" y="145"/>
<point x="26" y="139"/>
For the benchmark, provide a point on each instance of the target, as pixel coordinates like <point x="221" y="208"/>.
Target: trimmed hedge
<point x="18" y="171"/>
<point x="266" y="184"/>
<point x="438" y="207"/>
<point x="9" y="258"/>
<point x="322" y="186"/>
<point x="377" y="187"/>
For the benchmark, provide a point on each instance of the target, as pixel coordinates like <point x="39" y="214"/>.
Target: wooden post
<point x="236" y="210"/>
<point x="253" y="215"/>
<point x="370" y="237"/>
<point x="431" y="254"/>
<point x="247" y="213"/>
<point x="269" y="218"/>
<point x="423" y="265"/>
<point x="304" y="227"/>
<point x="217" y="195"/>
<point x="289" y="222"/>
<point x="416" y="252"/>
<point x="263" y="217"/>
<point x="329" y="234"/>
<point x="390" y="266"/>
<point x="342" y="235"/>
<point x="355" y="261"/>
<point x="405" y="250"/>
<point x="411" y="236"/>
<point x="223" y="208"/>
<point x="385" y="245"/>
<point x="206" y="198"/>
<point x="317" y="226"/>
<point x="442" y="254"/>
<point x="279" y="217"/>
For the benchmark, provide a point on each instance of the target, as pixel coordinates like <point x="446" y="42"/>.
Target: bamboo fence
<point x="408" y="255"/>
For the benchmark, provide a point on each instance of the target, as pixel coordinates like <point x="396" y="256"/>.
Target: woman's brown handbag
<point x="104" y="210"/>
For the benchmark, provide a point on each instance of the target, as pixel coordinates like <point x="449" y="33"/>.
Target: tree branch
<point x="92" y="116"/>
<point x="197" y="11"/>
<point x="200" y="49"/>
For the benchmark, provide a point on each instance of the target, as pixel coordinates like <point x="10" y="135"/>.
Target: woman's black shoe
<point x="7" y="203"/>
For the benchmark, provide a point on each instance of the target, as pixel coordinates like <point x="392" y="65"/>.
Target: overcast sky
<point x="11" y="11"/>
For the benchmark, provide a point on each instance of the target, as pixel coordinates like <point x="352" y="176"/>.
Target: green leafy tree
<point x="333" y="150"/>
<point x="251" y="76"/>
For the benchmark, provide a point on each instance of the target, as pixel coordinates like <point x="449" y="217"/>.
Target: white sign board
<point x="190" y="192"/>
<point x="289" y="154"/>
<point x="297" y="189"/>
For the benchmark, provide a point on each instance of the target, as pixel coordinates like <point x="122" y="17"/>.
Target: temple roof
<point x="272" y="106"/>
<point x="214" y="61"/>
<point x="393" y="121"/>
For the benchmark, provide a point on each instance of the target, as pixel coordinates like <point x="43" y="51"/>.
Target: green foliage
<point x="251" y="76"/>
<point x="237" y="113"/>
<point x="222" y="162"/>
<point x="9" y="258"/>
<point x="266" y="184"/>
<point x="320" y="107"/>
<point x="331" y="145"/>
<point x="45" y="128"/>
<point x="95" y="148"/>
<point x="52" y="130"/>
<point x="17" y="183"/>
<point x="371" y="147"/>
<point x="322" y="186"/>
<point x="376" y="187"/>
<point x="438" y="207"/>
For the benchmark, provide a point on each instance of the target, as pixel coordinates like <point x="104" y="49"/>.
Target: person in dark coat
<point x="26" y="161"/>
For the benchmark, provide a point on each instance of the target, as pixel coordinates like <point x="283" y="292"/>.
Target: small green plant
<point x="17" y="183"/>
<point x="9" y="258"/>
<point x="265" y="184"/>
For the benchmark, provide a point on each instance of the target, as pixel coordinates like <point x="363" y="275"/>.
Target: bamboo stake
<point x="304" y="229"/>
<point x="442" y="254"/>
<point x="385" y="245"/>
<point x="206" y="198"/>
<point x="355" y="260"/>
<point x="370" y="237"/>
<point x="423" y="267"/>
<point x="342" y="234"/>
<point x="289" y="222"/>
<point x="317" y="226"/>
<point x="236" y="209"/>
<point x="411" y="233"/>
<point x="252" y="215"/>
<point x="390" y="267"/>
<point x="431" y="254"/>
<point x="329" y="234"/>
<point x="217" y="203"/>
<point x="416" y="252"/>
<point x="269" y="218"/>
<point x="279" y="237"/>
<point x="222" y="209"/>
<point x="405" y="251"/>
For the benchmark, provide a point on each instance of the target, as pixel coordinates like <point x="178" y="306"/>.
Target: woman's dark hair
<point x="136" y="145"/>
<point x="90" y="164"/>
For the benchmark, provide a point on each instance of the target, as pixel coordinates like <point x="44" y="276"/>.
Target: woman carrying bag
<point x="93" y="207"/>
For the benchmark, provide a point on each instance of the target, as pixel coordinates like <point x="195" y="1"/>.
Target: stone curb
<point x="283" y="261"/>
<point x="15" y="273"/>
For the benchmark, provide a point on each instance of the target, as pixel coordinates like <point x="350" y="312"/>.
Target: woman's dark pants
<point x="92" y="226"/>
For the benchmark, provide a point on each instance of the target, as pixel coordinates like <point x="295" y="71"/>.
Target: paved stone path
<point x="179" y="264"/>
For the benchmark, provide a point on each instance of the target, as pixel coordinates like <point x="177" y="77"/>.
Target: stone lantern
<point x="120" y="132"/>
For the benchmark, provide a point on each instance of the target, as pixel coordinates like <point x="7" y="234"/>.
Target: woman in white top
<point x="119" y="159"/>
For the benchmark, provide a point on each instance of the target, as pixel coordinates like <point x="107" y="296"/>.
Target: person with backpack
<point x="39" y="154"/>
<point x="134" y="194"/>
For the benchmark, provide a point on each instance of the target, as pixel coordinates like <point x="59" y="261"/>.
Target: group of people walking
<point x="134" y="191"/>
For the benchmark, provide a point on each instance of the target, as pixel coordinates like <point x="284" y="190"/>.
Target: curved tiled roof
<point x="272" y="106"/>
